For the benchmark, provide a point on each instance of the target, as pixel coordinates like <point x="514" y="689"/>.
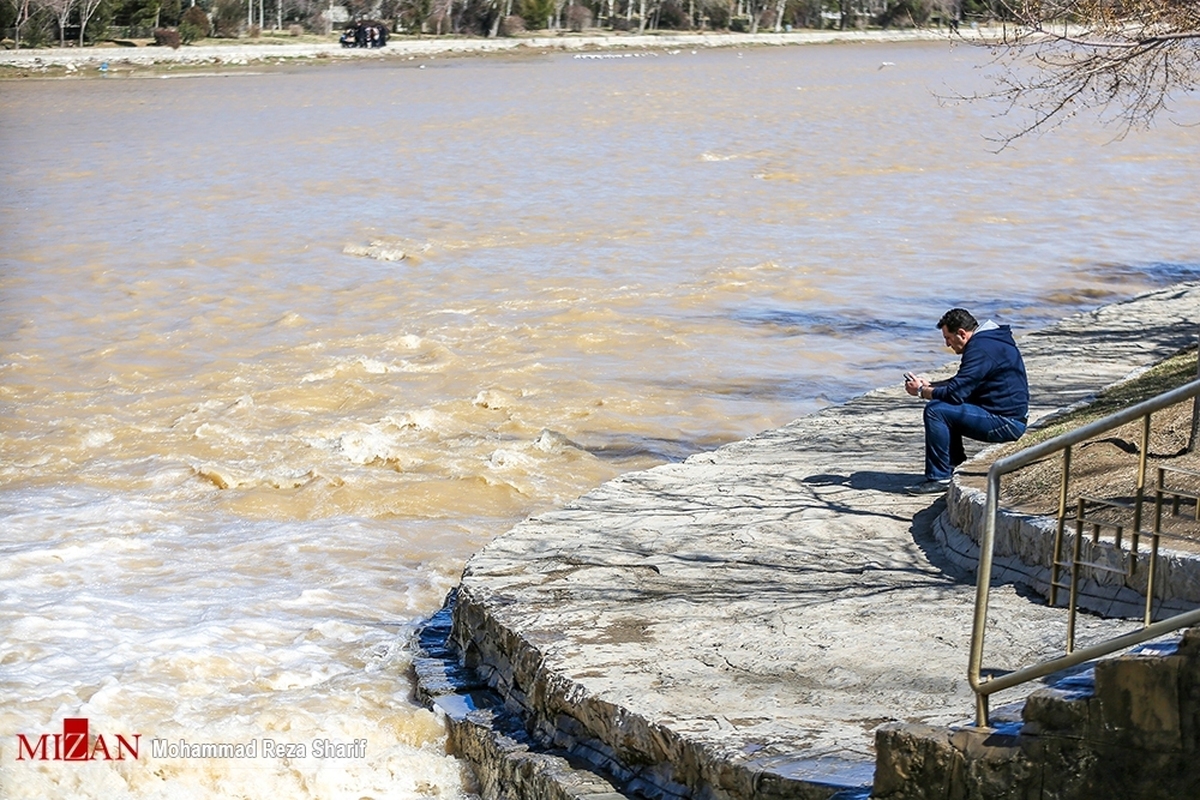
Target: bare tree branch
<point x="1122" y="59"/>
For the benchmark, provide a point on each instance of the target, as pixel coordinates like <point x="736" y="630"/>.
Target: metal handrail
<point x="983" y="687"/>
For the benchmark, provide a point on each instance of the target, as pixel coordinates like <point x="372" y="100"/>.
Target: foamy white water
<point x="244" y="450"/>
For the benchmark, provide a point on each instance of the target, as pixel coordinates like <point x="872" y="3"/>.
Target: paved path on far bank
<point x="240" y="52"/>
<point x="756" y="612"/>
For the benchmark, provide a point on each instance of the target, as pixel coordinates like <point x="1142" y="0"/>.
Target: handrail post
<point x="1152" y="571"/>
<point x="1141" y="483"/>
<point x="1056" y="558"/>
<point x="1076" y="557"/>
<point x="983" y="585"/>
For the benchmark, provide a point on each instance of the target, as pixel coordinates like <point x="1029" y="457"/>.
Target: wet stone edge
<point x="507" y="762"/>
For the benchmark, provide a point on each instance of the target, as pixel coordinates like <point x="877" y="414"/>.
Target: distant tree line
<point x="81" y="22"/>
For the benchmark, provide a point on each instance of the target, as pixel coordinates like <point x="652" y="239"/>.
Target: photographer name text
<point x="259" y="748"/>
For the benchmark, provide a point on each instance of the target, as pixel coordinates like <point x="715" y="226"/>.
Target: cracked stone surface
<point x="768" y="605"/>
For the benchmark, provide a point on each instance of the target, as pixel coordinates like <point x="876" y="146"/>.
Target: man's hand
<point x="914" y="384"/>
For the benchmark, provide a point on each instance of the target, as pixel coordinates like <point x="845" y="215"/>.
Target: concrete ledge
<point x="646" y="760"/>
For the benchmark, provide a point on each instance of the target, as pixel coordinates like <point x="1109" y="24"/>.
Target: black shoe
<point x="928" y="487"/>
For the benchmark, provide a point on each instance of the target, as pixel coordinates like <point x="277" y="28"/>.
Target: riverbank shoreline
<point x="112" y="60"/>
<point x="740" y="625"/>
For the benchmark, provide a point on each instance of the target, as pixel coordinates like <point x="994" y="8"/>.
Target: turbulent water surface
<point x="244" y="449"/>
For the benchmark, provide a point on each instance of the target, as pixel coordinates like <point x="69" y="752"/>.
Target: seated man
<point x="987" y="399"/>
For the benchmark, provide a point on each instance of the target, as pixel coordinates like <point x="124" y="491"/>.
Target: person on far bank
<point x="987" y="399"/>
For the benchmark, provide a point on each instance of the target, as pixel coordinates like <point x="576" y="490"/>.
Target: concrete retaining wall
<point x="1024" y="552"/>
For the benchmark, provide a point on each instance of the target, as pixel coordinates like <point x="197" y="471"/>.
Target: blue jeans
<point x="945" y="426"/>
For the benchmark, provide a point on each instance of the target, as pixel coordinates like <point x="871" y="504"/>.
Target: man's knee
<point x="1011" y="431"/>
<point x="939" y="413"/>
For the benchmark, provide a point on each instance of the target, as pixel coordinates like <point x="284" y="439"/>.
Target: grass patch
<point x="1170" y="374"/>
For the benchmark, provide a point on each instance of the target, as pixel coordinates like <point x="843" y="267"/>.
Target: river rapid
<point x="245" y="447"/>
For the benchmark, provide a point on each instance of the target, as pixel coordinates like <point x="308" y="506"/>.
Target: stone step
<point x="1122" y="727"/>
<point x="507" y="762"/>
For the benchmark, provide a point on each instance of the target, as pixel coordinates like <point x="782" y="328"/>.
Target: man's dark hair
<point x="957" y="319"/>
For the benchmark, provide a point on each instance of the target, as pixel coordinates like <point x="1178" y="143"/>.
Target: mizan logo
<point x="75" y="744"/>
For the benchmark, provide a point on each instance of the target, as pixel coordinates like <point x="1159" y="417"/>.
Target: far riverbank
<point x="216" y="52"/>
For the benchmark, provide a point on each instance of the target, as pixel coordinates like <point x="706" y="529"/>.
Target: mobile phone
<point x="908" y="376"/>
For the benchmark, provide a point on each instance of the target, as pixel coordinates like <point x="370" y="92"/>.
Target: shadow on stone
<point x="866" y="480"/>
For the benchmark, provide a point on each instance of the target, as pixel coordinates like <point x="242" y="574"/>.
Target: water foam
<point x="220" y="631"/>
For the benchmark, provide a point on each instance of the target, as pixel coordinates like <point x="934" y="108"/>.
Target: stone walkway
<point x="739" y="624"/>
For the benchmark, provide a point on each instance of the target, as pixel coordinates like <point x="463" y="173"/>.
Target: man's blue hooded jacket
<point x="991" y="375"/>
